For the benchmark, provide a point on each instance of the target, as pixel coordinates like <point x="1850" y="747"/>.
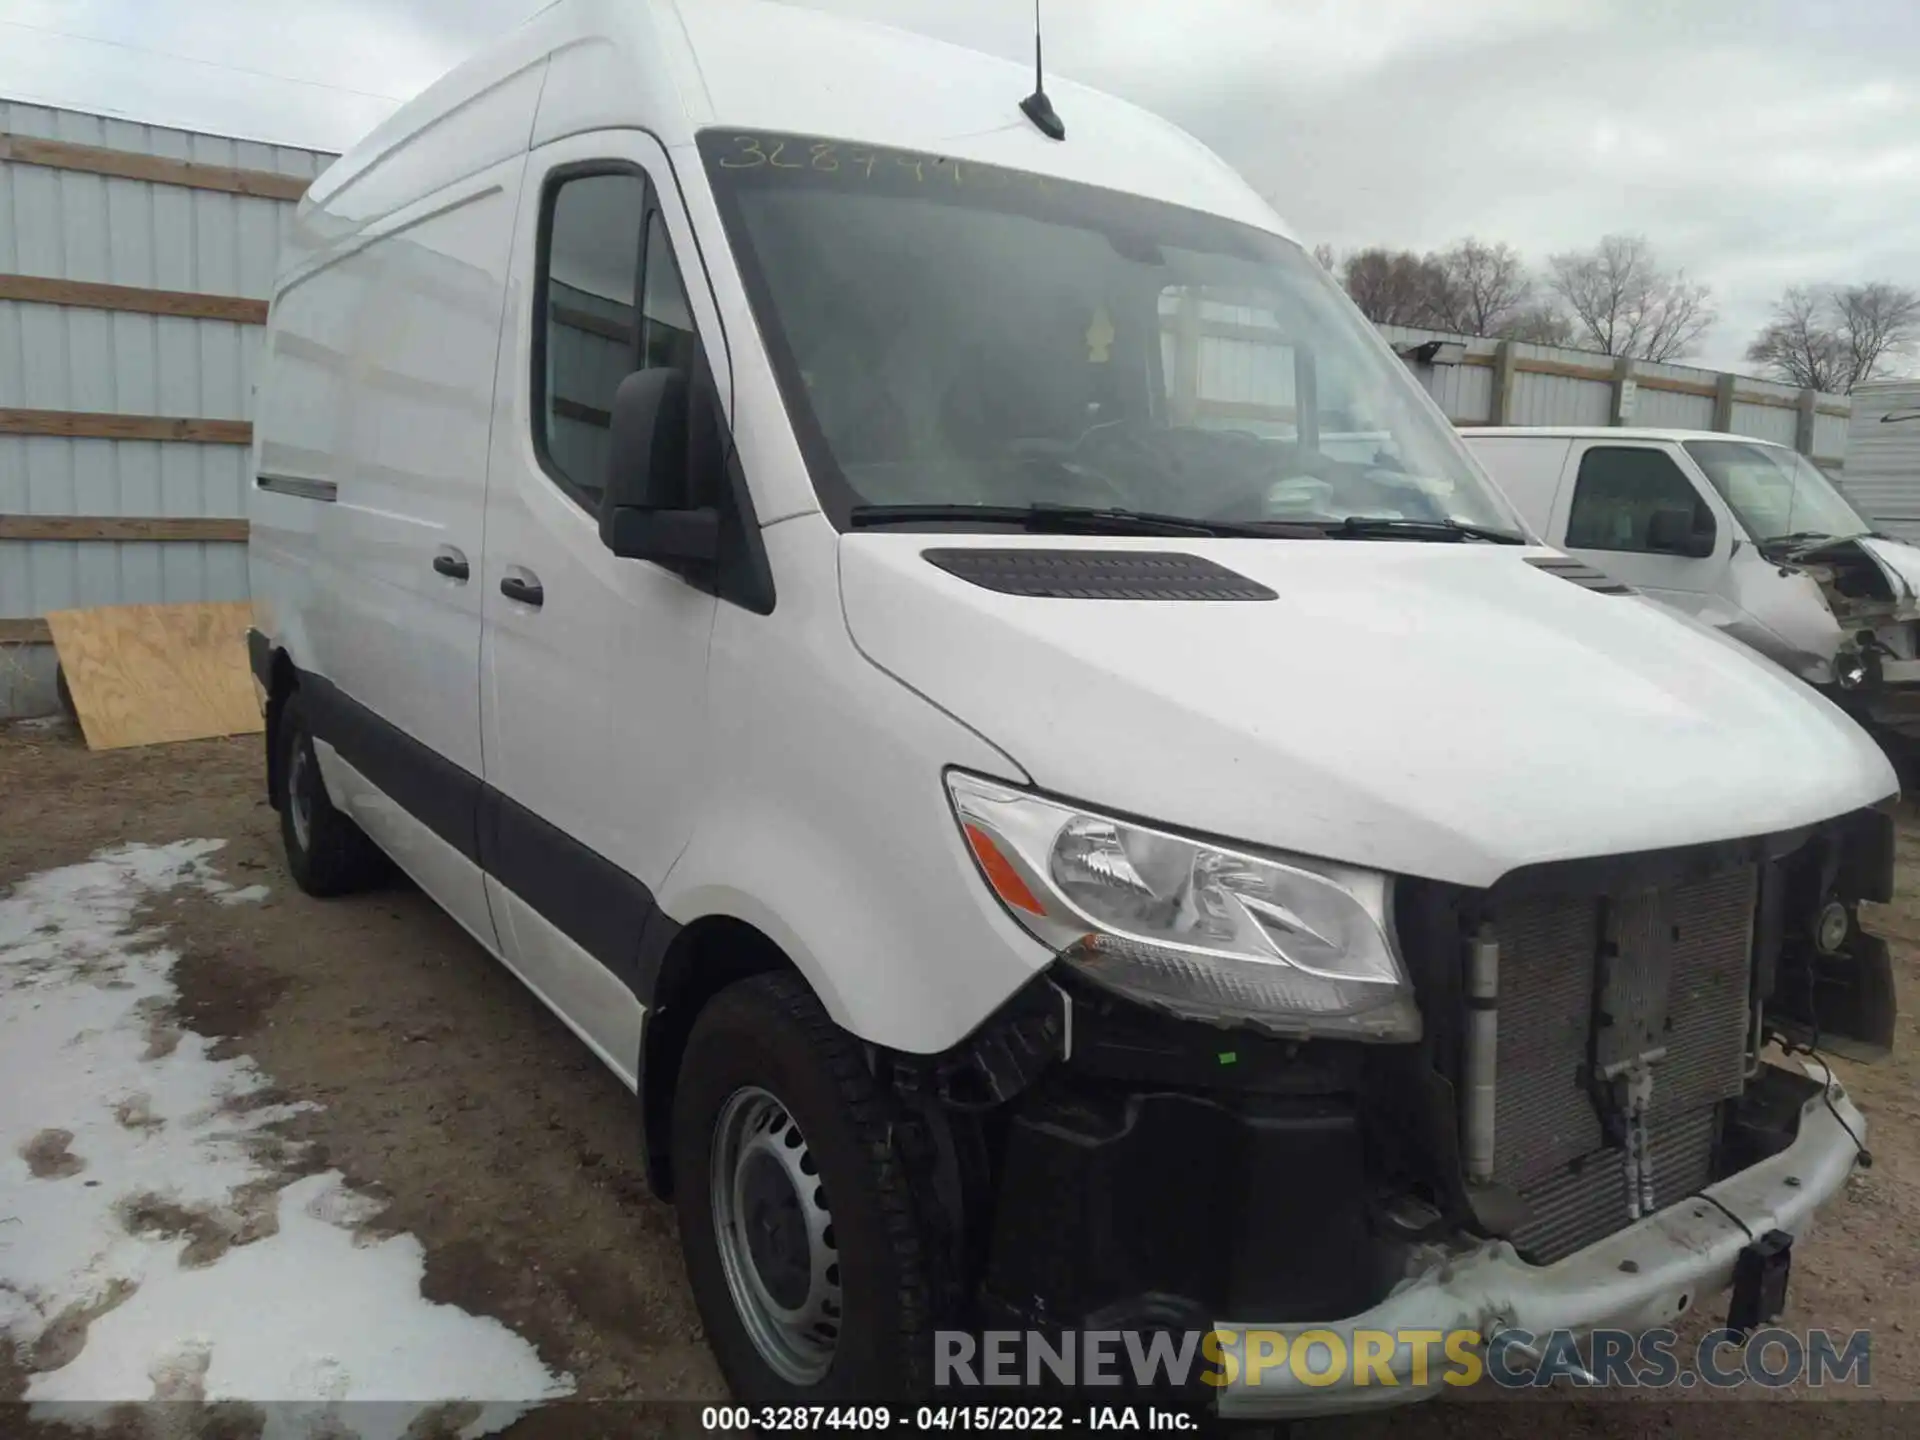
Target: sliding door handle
<point x="525" y="589"/>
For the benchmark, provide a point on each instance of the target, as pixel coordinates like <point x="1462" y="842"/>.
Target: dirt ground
<point x="497" y="1140"/>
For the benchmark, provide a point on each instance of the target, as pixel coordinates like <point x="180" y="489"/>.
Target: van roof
<point x="676" y="67"/>
<point x="1614" y="432"/>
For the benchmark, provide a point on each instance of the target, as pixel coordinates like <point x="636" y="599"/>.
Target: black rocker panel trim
<point x="584" y="895"/>
<point x="1098" y="574"/>
<point x="588" y="898"/>
<point x="419" y="779"/>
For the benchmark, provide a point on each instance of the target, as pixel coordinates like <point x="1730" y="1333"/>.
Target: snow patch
<point x="151" y="1245"/>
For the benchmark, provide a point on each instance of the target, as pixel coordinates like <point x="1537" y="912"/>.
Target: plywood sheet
<point x="144" y="674"/>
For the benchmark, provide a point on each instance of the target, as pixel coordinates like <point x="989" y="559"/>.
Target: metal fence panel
<point x="69" y="224"/>
<point x="1765" y="422"/>
<point x="1883" y="456"/>
<point x="1556" y="386"/>
<point x="1559" y="400"/>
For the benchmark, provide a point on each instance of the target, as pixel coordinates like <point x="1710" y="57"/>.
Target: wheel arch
<point x="701" y="959"/>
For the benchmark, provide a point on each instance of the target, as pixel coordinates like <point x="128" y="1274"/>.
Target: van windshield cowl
<point x="952" y="334"/>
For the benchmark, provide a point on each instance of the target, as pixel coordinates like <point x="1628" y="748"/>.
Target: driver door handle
<point x="524" y="588"/>
<point x="452" y="564"/>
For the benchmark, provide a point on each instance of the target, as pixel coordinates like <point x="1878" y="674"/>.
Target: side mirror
<point x="643" y="512"/>
<point x="1672" y="532"/>
<point x="668" y="536"/>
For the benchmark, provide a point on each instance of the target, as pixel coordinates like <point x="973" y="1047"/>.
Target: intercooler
<point x="1571" y="969"/>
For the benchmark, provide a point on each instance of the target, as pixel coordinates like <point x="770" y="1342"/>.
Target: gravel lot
<point x="498" y="1141"/>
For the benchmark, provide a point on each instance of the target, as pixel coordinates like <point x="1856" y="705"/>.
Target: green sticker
<point x="1229" y="1057"/>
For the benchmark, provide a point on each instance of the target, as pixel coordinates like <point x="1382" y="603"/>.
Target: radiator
<point x="1681" y="954"/>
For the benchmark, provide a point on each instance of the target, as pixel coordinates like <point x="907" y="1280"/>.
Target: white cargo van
<point x="1742" y="534"/>
<point x="959" y="664"/>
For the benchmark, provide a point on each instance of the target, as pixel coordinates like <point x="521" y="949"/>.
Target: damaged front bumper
<point x="1844" y="615"/>
<point x="1644" y="1276"/>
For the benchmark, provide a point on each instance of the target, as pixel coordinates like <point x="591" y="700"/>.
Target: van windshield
<point x="953" y="334"/>
<point x="1777" y="493"/>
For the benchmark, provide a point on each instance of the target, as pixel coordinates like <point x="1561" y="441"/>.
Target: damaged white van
<point x="1743" y="534"/>
<point x="935" y="638"/>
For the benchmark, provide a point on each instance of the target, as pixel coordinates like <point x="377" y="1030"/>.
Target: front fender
<point x="1782" y="613"/>
<point x="828" y="827"/>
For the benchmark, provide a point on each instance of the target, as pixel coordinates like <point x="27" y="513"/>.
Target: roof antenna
<point x="1037" y="107"/>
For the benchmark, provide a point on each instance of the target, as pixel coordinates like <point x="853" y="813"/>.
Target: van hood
<point x="1449" y="711"/>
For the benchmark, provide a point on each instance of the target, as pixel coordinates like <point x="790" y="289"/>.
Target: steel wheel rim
<point x="299" y="798"/>
<point x="775" y="1236"/>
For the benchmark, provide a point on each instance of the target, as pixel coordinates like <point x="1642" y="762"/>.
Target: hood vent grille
<point x="1581" y="574"/>
<point x="1099" y="574"/>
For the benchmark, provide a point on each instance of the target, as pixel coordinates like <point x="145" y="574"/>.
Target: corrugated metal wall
<point x="170" y="236"/>
<point x="1553" y="386"/>
<point x="1681" y="409"/>
<point x="1883" y="455"/>
<point x="1239" y="378"/>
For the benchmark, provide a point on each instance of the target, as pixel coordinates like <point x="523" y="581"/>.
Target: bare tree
<point x="1323" y="253"/>
<point x="1834" y="337"/>
<point x="1543" y="323"/>
<point x="1799" y="344"/>
<point x="1487" y="286"/>
<point x="1879" y="321"/>
<point x="1624" y="303"/>
<point x="1396" y="287"/>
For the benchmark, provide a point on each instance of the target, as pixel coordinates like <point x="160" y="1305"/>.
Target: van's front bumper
<point x="1638" y="1278"/>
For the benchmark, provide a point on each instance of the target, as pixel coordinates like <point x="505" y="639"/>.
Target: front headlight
<point x="1294" y="946"/>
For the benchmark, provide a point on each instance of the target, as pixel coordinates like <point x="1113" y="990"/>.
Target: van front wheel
<point x="801" y="1244"/>
<point x="327" y="853"/>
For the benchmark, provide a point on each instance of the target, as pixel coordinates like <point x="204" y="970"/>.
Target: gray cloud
<point x="1758" y="144"/>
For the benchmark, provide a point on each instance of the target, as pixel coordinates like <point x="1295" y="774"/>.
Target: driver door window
<point x="1635" y="514"/>
<point x="597" y="249"/>
<point x="1617" y="495"/>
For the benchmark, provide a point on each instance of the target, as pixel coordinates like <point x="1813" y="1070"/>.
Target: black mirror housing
<point x="644" y="513"/>
<point x="668" y="536"/>
<point x="647" y="442"/>
<point x="1674" y="532"/>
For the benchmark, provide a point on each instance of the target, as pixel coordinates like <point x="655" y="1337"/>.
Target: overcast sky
<point x="1759" y="143"/>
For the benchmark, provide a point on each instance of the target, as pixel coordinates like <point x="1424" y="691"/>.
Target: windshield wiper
<point x="1393" y="526"/>
<point x="1078" y="520"/>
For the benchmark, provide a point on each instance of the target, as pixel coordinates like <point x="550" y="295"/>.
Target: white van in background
<point x="1743" y="534"/>
<point x="741" y="521"/>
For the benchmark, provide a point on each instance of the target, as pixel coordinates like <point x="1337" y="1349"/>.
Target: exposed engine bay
<point x="1843" y="614"/>
<point x="1594" y="1052"/>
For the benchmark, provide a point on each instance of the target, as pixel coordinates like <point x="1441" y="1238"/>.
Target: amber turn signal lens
<point x="1000" y="873"/>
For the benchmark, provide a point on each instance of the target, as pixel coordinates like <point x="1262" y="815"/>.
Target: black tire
<point x="770" y="1033"/>
<point x="334" y="857"/>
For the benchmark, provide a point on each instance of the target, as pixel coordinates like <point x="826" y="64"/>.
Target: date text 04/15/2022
<point x="934" y="1419"/>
